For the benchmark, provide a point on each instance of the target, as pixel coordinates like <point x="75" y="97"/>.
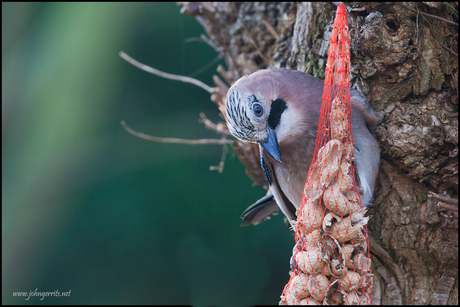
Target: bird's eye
<point x="257" y="108"/>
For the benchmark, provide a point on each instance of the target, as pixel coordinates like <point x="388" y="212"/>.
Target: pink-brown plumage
<point x="279" y="109"/>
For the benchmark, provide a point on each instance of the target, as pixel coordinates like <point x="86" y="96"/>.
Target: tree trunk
<point x="406" y="64"/>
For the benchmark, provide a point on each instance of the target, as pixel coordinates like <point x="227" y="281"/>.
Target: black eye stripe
<point x="278" y="107"/>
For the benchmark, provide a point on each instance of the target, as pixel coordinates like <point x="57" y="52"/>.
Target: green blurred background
<point x="88" y="207"/>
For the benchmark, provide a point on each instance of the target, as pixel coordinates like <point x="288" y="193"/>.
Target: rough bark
<point x="410" y="80"/>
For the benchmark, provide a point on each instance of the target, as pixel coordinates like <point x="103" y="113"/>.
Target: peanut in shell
<point x="335" y="201"/>
<point x="318" y="285"/>
<point x="351" y="281"/>
<point x="352" y="298"/>
<point x="329" y="157"/>
<point x="309" y="216"/>
<point x="309" y="261"/>
<point x="299" y="286"/>
<point x="308" y="301"/>
<point x="349" y="227"/>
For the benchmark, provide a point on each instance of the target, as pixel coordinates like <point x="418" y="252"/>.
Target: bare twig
<point x="434" y="34"/>
<point x="224" y="74"/>
<point x="434" y="16"/>
<point x="358" y="9"/>
<point x="193" y="39"/>
<point x="447" y="207"/>
<point x="271" y="30"/>
<point x="211" y="43"/>
<point x="416" y="38"/>
<point x="141" y="135"/>
<point x="435" y="37"/>
<point x="451" y="8"/>
<point x="220" y="167"/>
<point x="222" y="87"/>
<point x="166" y="75"/>
<point x="203" y="23"/>
<point x="235" y="63"/>
<point x="206" y="66"/>
<point x="219" y="127"/>
<point x="253" y="38"/>
<point x="445" y="199"/>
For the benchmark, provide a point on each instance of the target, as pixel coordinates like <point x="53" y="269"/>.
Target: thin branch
<point x="253" y="38"/>
<point x="434" y="35"/>
<point x="209" y="41"/>
<point x="141" y="135"/>
<point x="442" y="198"/>
<point x="219" y="128"/>
<point x="193" y="39"/>
<point x="416" y="38"/>
<point x="203" y="23"/>
<point x="224" y="74"/>
<point x="220" y="167"/>
<point x="220" y="85"/>
<point x="434" y="16"/>
<point x="271" y="30"/>
<point x="206" y="66"/>
<point x="451" y="8"/>
<point x="165" y="75"/>
<point x="447" y="207"/>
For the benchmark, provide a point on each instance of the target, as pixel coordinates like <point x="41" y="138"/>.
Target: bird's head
<point x="259" y="110"/>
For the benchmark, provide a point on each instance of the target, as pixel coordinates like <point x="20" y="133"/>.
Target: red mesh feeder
<point x="331" y="261"/>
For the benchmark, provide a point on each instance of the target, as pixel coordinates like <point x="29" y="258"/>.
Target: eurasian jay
<point x="279" y="109"/>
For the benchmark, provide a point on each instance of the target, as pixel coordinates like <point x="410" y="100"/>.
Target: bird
<point x="279" y="109"/>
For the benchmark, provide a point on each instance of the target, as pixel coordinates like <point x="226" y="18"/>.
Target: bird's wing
<point x="260" y="211"/>
<point x="367" y="152"/>
<point x="359" y="103"/>
<point x="283" y="202"/>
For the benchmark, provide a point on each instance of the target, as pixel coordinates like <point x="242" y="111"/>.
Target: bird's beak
<point x="271" y="145"/>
